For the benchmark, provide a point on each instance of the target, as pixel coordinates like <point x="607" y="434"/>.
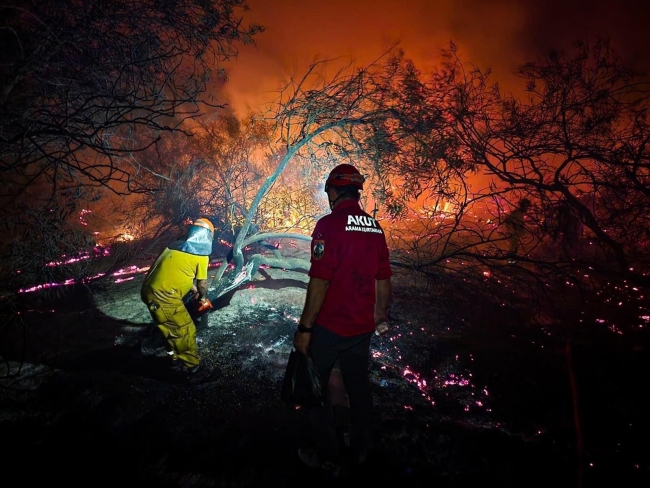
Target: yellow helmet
<point x="205" y="223"/>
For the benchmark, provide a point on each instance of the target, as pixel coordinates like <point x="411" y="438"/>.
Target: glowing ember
<point x="81" y="216"/>
<point x="131" y="270"/>
<point x="69" y="261"/>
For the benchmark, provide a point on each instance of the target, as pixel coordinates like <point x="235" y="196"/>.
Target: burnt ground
<point x="465" y="393"/>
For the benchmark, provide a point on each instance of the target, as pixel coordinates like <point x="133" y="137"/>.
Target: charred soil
<point x="465" y="392"/>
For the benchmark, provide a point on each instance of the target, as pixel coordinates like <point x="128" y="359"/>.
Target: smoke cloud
<point x="499" y="34"/>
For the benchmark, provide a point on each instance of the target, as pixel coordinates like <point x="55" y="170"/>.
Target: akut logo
<point x="362" y="223"/>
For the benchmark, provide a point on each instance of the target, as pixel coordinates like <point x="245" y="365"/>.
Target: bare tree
<point x="85" y="87"/>
<point x="82" y="80"/>
<point x="576" y="147"/>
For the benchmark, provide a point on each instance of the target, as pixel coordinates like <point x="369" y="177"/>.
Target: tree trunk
<point x="576" y="412"/>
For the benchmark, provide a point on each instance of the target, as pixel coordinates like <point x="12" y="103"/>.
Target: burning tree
<point x="369" y="117"/>
<point x="259" y="178"/>
<point x="87" y="86"/>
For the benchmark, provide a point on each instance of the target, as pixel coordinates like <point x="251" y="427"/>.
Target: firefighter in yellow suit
<point x="171" y="277"/>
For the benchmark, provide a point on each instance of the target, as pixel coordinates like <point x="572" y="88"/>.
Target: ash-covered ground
<point x="464" y="394"/>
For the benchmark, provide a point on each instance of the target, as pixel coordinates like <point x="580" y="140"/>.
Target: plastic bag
<point x="301" y="384"/>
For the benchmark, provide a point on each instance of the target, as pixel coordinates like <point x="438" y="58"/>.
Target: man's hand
<point x="382" y="327"/>
<point x="202" y="288"/>
<point x="301" y="341"/>
<point x="382" y="297"/>
<point x="195" y="292"/>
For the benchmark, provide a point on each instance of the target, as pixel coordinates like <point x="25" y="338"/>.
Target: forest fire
<point x="516" y="212"/>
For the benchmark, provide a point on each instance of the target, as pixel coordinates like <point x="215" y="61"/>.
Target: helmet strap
<point x="333" y="202"/>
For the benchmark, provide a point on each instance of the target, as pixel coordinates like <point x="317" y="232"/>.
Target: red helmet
<point x="343" y="175"/>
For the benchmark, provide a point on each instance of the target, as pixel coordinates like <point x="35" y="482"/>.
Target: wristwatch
<point x="304" y="328"/>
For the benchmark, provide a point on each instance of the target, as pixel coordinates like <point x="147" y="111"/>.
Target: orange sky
<point x="500" y="34"/>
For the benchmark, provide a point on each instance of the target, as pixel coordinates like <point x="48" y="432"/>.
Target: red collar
<point x="346" y="204"/>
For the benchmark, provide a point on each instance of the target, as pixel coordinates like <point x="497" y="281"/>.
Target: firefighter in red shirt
<point x="347" y="300"/>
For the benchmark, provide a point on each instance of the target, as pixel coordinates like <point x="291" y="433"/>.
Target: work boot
<point x="310" y="457"/>
<point x="178" y="372"/>
<point x="194" y="375"/>
<point x="199" y="375"/>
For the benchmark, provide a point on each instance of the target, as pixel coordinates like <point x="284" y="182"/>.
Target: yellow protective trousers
<point x="174" y="321"/>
